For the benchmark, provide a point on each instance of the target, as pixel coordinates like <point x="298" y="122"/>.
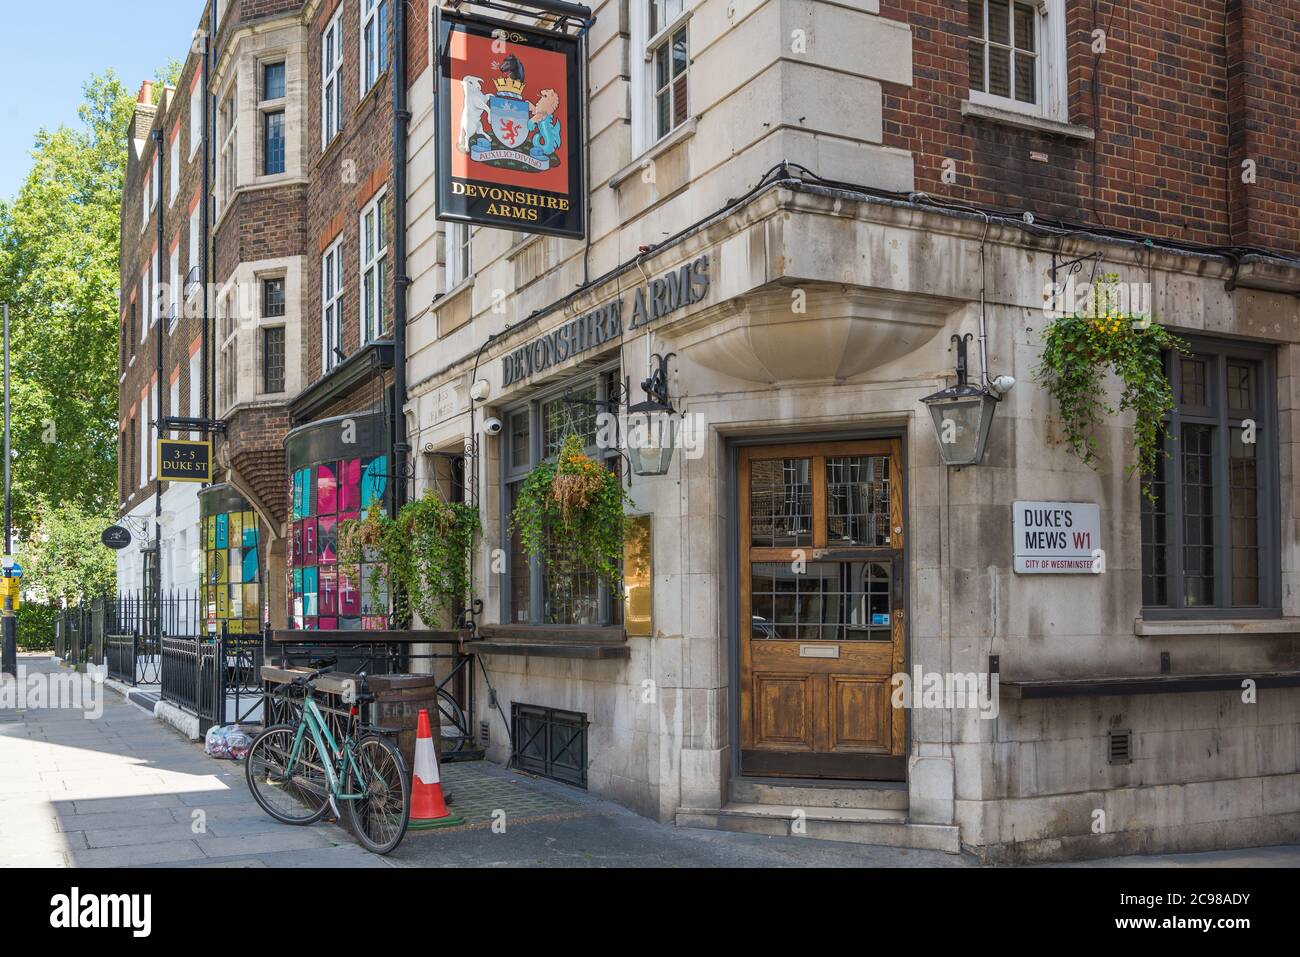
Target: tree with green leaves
<point x="64" y="561"/>
<point x="59" y="272"/>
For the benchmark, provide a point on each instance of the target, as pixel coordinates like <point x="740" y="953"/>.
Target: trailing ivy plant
<point x="422" y="557"/>
<point x="1081" y="349"/>
<point x="574" y="511"/>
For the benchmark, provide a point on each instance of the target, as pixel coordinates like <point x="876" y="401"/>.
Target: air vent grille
<point x="1120" y="747"/>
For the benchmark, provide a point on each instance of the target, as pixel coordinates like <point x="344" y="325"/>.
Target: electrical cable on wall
<point x="807" y="180"/>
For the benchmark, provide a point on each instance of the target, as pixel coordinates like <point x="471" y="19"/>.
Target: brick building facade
<point x="864" y="181"/>
<point x="907" y="172"/>
<point x="161" y="252"/>
<point x="1163" y="102"/>
<point x="282" y="195"/>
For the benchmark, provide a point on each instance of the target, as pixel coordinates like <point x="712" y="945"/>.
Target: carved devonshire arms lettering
<point x="659" y="298"/>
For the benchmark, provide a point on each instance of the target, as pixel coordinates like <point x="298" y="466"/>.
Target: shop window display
<point x="232" y="571"/>
<point x="324" y="595"/>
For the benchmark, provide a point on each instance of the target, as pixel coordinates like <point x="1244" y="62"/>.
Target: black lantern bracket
<point x="963" y="389"/>
<point x="656" y="387"/>
<point x="182" y="424"/>
<point x="1072" y="267"/>
<point x="562" y="15"/>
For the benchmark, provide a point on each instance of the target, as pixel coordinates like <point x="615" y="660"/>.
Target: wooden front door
<point x="821" y="590"/>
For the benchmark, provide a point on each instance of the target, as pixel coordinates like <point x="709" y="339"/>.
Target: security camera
<point x="1003" y="384"/>
<point x="494" y="426"/>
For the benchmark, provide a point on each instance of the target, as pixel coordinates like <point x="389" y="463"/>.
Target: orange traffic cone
<point x="428" y="808"/>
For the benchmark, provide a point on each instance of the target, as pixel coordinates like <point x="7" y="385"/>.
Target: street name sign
<point x="1057" y="538"/>
<point x="180" y="461"/>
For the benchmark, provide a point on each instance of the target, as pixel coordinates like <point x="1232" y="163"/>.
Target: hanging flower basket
<point x="424" y="554"/>
<point x="1081" y="349"/>
<point x="573" y="511"/>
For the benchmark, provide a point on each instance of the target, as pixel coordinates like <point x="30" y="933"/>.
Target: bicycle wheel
<point x="295" y="795"/>
<point x="454" y="724"/>
<point x="379" y="818"/>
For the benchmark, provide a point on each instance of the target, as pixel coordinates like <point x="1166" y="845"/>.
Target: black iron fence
<point x="217" y="679"/>
<point x="391" y="653"/>
<point x="142" y="639"/>
<point x="124" y="632"/>
<point x="79" y="633"/>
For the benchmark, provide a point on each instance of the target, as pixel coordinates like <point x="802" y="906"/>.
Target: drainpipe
<point x="205" y="227"/>
<point x="401" y="281"/>
<point x="159" y="331"/>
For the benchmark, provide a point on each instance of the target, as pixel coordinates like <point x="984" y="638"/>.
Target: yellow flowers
<point x="1111" y="322"/>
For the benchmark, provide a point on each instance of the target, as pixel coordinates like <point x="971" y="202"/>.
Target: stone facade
<point x="864" y="101"/>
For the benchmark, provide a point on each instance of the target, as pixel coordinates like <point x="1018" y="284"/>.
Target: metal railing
<point x="189" y="674"/>
<point x="453" y="666"/>
<point x="142" y="639"/>
<point x="79" y="634"/>
<point x="217" y="679"/>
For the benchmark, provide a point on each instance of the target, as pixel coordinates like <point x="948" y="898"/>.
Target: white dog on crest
<point x="471" y="117"/>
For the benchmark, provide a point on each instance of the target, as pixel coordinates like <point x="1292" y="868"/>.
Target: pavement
<point x="124" y="790"/>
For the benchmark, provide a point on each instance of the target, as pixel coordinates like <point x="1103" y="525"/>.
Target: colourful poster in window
<point x="350" y="491"/>
<point x="327" y="540"/>
<point x="232" y="571"/>
<point x="374" y="483"/>
<point x="326" y="490"/>
<point x="323" y="594"/>
<point x="349" y="595"/>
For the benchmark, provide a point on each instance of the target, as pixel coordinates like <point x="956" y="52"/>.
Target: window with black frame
<point x="1210" y="537"/>
<point x="548" y="590"/>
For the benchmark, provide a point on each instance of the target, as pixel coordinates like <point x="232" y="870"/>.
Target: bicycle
<point x="292" y="782"/>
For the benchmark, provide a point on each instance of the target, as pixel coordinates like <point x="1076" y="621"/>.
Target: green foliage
<point x="168" y="75"/>
<point x="36" y="626"/>
<point x="64" y="560"/>
<point x="574" y="511"/>
<point x="1079" y="350"/>
<point x="423" y="555"/>
<point x="59" y="272"/>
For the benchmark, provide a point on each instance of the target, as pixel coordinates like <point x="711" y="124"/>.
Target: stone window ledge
<point x="1026" y="121"/>
<point x="679" y="135"/>
<point x="1191" y="628"/>
<point x="552" y="642"/>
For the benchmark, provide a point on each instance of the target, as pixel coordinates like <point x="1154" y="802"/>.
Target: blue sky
<point x="43" y="64"/>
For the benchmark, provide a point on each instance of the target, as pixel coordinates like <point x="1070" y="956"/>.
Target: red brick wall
<point x="256" y="438"/>
<point x="1264" y="100"/>
<point x="1184" y="90"/>
<point x="264" y="224"/>
<point x="344" y="177"/>
<point x="417" y="38"/>
<point x="138" y="247"/>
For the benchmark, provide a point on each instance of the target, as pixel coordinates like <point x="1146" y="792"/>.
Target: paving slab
<point x="126" y="790"/>
<point x="123" y="790"/>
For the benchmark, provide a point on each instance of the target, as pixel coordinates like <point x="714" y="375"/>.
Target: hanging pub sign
<point x="184" y="461"/>
<point x="510" y="126"/>
<point x="116" y="537"/>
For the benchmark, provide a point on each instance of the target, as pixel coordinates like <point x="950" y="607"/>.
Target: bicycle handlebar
<point x="322" y="667"/>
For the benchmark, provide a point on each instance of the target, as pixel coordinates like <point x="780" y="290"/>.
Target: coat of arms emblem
<point x="505" y="129"/>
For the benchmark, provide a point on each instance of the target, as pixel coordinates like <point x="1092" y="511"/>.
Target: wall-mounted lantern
<point x="652" y="425"/>
<point x="962" y="415"/>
